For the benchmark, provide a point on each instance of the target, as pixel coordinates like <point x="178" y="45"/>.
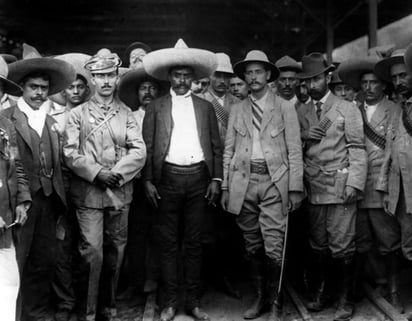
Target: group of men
<point x="208" y="144"/>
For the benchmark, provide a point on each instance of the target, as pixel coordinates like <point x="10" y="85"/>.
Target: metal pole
<point x="329" y="32"/>
<point x="373" y="23"/>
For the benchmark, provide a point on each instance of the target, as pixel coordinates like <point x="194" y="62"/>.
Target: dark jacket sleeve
<point x="216" y="144"/>
<point x="149" y="130"/>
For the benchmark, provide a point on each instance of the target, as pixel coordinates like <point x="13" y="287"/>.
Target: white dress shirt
<point x="184" y="146"/>
<point x="370" y="110"/>
<point x="36" y="118"/>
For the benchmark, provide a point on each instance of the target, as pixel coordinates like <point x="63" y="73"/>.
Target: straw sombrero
<point x="129" y="84"/>
<point x="383" y="67"/>
<point x="158" y="63"/>
<point x="60" y="72"/>
<point x="9" y="86"/>
<point x="256" y="56"/>
<point x="351" y="70"/>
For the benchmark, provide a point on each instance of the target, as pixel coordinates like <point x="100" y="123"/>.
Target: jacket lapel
<point x="54" y="138"/>
<point x="310" y="113"/>
<point x="22" y="126"/>
<point x="247" y="113"/>
<point x="166" y="110"/>
<point x="199" y="119"/>
<point x="269" y="111"/>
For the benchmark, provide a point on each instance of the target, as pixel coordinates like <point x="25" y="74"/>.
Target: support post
<point x="373" y="23"/>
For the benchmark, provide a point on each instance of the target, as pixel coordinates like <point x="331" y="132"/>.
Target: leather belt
<point x="184" y="169"/>
<point x="259" y="167"/>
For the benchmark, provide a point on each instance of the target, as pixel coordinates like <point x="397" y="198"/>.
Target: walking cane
<point x="282" y="267"/>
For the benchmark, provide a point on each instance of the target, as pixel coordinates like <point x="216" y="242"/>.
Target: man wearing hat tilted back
<point x="335" y="175"/>
<point x="218" y="93"/>
<point x="104" y="149"/>
<point x="183" y="171"/>
<point x="39" y="143"/>
<point x="262" y="166"/>
<point x="134" y="54"/>
<point x="287" y="80"/>
<point x="377" y="112"/>
<point x="14" y="202"/>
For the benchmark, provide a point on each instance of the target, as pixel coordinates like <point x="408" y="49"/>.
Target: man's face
<point x="372" y="88"/>
<point x="219" y="82"/>
<point x="105" y="84"/>
<point x="401" y="80"/>
<point x="256" y="76"/>
<point x="181" y="79"/>
<point x="345" y="92"/>
<point x="286" y="84"/>
<point x="76" y="93"/>
<point x="147" y="92"/>
<point x="238" y="88"/>
<point x="302" y="92"/>
<point x="318" y="86"/>
<point x="136" y="57"/>
<point x="35" y="92"/>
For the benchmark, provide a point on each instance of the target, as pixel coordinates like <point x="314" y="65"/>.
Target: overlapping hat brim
<point x="129" y="83"/>
<point x="158" y="63"/>
<point x="335" y="79"/>
<point x="306" y="74"/>
<point x="351" y="70"/>
<point x="383" y="67"/>
<point x="10" y="87"/>
<point x="61" y="73"/>
<point x="408" y="58"/>
<point x="240" y="68"/>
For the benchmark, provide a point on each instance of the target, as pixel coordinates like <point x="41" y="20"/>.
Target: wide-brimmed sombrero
<point x="77" y="60"/>
<point x="383" y="67"/>
<point x="129" y="84"/>
<point x="408" y="58"/>
<point x="313" y="65"/>
<point x="351" y="70"/>
<point x="256" y="56"/>
<point x="8" y="58"/>
<point x="60" y="72"/>
<point x="9" y="87"/>
<point x="158" y="63"/>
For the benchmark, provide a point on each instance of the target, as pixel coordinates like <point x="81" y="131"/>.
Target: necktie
<point x="257" y="113"/>
<point x="318" y="109"/>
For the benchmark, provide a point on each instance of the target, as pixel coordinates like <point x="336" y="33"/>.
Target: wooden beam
<point x="329" y="31"/>
<point x="373" y="23"/>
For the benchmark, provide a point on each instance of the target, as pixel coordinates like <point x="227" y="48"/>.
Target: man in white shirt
<point x="183" y="170"/>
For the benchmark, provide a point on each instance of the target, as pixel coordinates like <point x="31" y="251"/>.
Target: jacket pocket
<point x="240" y="128"/>
<point x="275" y="132"/>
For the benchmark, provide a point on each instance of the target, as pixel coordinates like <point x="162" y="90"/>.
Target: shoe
<point x="168" y="314"/>
<point x="199" y="314"/>
<point x="62" y="315"/>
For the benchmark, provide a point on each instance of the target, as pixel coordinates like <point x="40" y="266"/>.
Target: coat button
<point x="246" y="149"/>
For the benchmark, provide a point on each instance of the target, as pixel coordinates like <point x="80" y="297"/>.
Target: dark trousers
<point x="181" y="213"/>
<point x="36" y="257"/>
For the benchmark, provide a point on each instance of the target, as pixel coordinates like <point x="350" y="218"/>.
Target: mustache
<point x="106" y="86"/>
<point x="148" y="96"/>
<point x="401" y="88"/>
<point x="39" y="98"/>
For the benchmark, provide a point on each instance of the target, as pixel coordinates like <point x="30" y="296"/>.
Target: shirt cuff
<point x="217" y="180"/>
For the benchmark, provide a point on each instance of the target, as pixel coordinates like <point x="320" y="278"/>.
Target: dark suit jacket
<point x="157" y="131"/>
<point x="24" y="144"/>
<point x="14" y="181"/>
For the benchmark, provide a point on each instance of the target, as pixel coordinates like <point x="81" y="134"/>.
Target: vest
<point x="42" y="161"/>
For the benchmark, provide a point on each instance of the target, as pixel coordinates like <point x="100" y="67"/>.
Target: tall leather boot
<point x="392" y="262"/>
<point x="256" y="263"/>
<point x="274" y="296"/>
<point x="359" y="263"/>
<point x="345" y="308"/>
<point x="319" y="279"/>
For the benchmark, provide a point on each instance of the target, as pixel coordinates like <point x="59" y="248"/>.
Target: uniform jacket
<point x="380" y="122"/>
<point x="24" y="144"/>
<point x="280" y="143"/>
<point x="397" y="163"/>
<point x="13" y="179"/>
<point x="157" y="130"/>
<point x="339" y="159"/>
<point x="116" y="145"/>
<point x="227" y="105"/>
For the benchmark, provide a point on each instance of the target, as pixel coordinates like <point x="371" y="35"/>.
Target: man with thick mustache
<point x="104" y="149"/>
<point x="287" y="80"/>
<point x="335" y="175"/>
<point x="39" y="145"/>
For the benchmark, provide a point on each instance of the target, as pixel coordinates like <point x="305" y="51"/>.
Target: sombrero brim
<point x="158" y="63"/>
<point x="314" y="73"/>
<point x="408" y="58"/>
<point x="61" y="73"/>
<point x="383" y="67"/>
<point x="10" y="87"/>
<point x="9" y="58"/>
<point x="129" y="83"/>
<point x="240" y="67"/>
<point x="77" y="60"/>
<point x="351" y="70"/>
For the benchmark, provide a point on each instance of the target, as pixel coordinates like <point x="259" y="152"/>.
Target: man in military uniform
<point x="105" y="151"/>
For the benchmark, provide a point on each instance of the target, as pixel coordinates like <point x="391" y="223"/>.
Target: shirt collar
<point x="175" y="96"/>
<point x="323" y="100"/>
<point x="263" y="99"/>
<point x="24" y="107"/>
